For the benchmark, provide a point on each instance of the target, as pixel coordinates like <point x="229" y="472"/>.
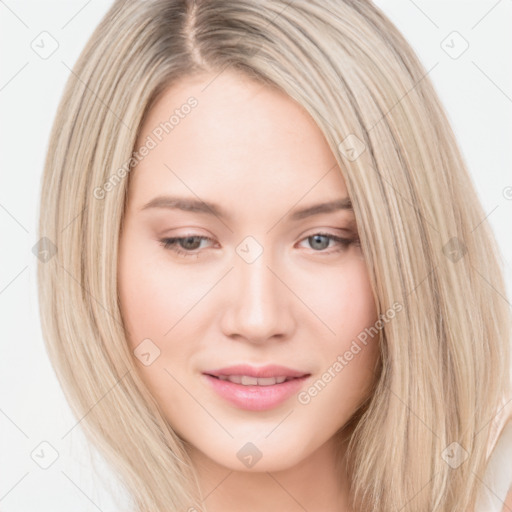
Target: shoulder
<point x="507" y="432"/>
<point x="495" y="494"/>
<point x="508" y="501"/>
<point x="496" y="490"/>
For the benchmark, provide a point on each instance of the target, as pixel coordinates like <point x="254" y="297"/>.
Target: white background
<point x="476" y="90"/>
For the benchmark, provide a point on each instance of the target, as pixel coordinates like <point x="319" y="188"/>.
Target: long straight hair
<point x="444" y="359"/>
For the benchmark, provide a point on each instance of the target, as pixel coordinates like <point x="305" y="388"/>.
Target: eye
<point x="184" y="245"/>
<point x="320" y="241"/>
<point x="189" y="246"/>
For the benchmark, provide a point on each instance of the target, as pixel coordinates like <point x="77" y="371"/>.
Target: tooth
<point x="268" y="381"/>
<point x="248" y="381"/>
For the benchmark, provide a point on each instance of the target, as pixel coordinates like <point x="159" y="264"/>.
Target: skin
<point x="301" y="303"/>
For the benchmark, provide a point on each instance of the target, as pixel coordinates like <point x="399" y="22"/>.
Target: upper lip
<point x="271" y="370"/>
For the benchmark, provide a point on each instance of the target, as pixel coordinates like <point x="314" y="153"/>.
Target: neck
<point x="317" y="484"/>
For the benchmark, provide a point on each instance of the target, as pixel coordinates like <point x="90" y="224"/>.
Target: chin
<point x="259" y="456"/>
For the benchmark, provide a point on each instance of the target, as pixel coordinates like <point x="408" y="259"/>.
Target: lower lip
<point x="255" y="398"/>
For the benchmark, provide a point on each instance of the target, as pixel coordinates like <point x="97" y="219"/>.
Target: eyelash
<point x="171" y="243"/>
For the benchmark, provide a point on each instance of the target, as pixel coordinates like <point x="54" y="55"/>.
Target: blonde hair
<point x="444" y="359"/>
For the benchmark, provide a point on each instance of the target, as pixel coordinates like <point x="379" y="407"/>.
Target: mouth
<point x="255" y="393"/>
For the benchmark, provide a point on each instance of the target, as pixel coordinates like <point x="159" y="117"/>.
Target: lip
<point x="256" y="398"/>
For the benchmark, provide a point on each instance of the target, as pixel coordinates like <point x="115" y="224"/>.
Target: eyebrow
<point x="206" y="207"/>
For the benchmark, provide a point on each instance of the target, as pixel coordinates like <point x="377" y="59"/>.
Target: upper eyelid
<point x="205" y="237"/>
<point x="350" y="232"/>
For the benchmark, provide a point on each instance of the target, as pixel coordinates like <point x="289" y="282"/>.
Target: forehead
<point x="242" y="140"/>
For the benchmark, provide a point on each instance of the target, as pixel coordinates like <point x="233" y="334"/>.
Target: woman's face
<point x="253" y="273"/>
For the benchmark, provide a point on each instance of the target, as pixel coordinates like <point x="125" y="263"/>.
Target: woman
<point x="268" y="292"/>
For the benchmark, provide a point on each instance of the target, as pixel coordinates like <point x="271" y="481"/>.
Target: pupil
<point x="318" y="238"/>
<point x="190" y="240"/>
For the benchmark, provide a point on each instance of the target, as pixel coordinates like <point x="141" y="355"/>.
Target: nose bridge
<point x="257" y="307"/>
<point x="257" y="284"/>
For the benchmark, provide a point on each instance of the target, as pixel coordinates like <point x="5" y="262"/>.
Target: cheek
<point x="343" y="300"/>
<point x="351" y="350"/>
<point x="138" y="294"/>
<point x="151" y="306"/>
<point x="152" y="298"/>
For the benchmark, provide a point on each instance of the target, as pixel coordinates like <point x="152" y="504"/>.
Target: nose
<point x="258" y="306"/>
